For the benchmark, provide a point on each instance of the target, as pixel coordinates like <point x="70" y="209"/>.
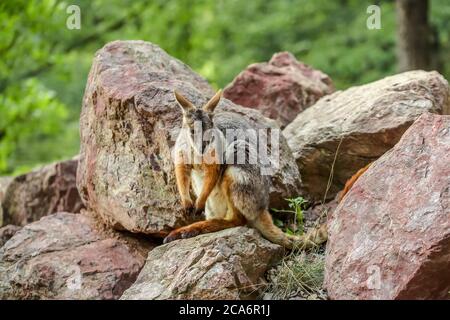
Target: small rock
<point x="389" y="238"/>
<point x="229" y="264"/>
<point x="280" y="89"/>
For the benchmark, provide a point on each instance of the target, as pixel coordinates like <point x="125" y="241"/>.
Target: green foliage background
<point x="44" y="65"/>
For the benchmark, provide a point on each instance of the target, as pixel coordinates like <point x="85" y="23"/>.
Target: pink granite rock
<point x="280" y="88"/>
<point x="41" y="192"/>
<point x="389" y="238"/>
<point x="69" y="256"/>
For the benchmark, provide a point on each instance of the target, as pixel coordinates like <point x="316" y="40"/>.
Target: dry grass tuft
<point x="298" y="276"/>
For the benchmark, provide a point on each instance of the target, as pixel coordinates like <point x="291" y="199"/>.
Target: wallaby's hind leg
<point x="203" y="227"/>
<point x="270" y="231"/>
<point x="232" y="218"/>
<point x="250" y="198"/>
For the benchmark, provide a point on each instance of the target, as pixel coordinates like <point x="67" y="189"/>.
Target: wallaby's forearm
<point x="202" y="227"/>
<point x="183" y="177"/>
<point x="211" y="175"/>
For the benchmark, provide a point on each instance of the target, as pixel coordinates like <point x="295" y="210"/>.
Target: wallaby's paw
<point x="198" y="212"/>
<point x="189" y="211"/>
<point x="189" y="233"/>
<point x="172" y="237"/>
<point x="311" y="239"/>
<point x="288" y="243"/>
<point x="193" y="214"/>
<point x="199" y="207"/>
<point x="299" y="243"/>
<point x="181" y="234"/>
<point x="169" y="238"/>
<point x="322" y="234"/>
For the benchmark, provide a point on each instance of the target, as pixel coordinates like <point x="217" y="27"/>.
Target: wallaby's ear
<point x="184" y="103"/>
<point x="213" y="102"/>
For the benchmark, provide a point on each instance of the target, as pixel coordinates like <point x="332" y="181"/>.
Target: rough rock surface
<point x="229" y="264"/>
<point x="389" y="238"/>
<point x="4" y="183"/>
<point x="280" y="89"/>
<point x="319" y="212"/>
<point x="65" y="256"/>
<point x="7" y="232"/>
<point x="364" y="122"/>
<point x="42" y="192"/>
<point x="129" y="123"/>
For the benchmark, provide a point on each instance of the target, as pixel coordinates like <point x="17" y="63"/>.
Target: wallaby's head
<point x="198" y="118"/>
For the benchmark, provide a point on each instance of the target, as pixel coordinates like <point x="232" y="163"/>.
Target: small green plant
<point x="296" y="205"/>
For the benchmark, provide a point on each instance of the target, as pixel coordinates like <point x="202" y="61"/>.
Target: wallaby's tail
<point x="312" y="238"/>
<point x="270" y="231"/>
<point x="350" y="182"/>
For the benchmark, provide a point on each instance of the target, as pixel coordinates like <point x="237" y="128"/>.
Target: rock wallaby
<point x="231" y="194"/>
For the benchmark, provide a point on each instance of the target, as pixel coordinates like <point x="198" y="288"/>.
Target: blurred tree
<point x="413" y="35"/>
<point x="30" y="113"/>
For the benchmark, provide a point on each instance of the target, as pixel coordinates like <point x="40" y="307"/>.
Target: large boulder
<point x="129" y="123"/>
<point x="68" y="256"/>
<point x="229" y="264"/>
<point x="359" y="124"/>
<point x="41" y="192"/>
<point x="280" y="88"/>
<point x="389" y="238"/>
